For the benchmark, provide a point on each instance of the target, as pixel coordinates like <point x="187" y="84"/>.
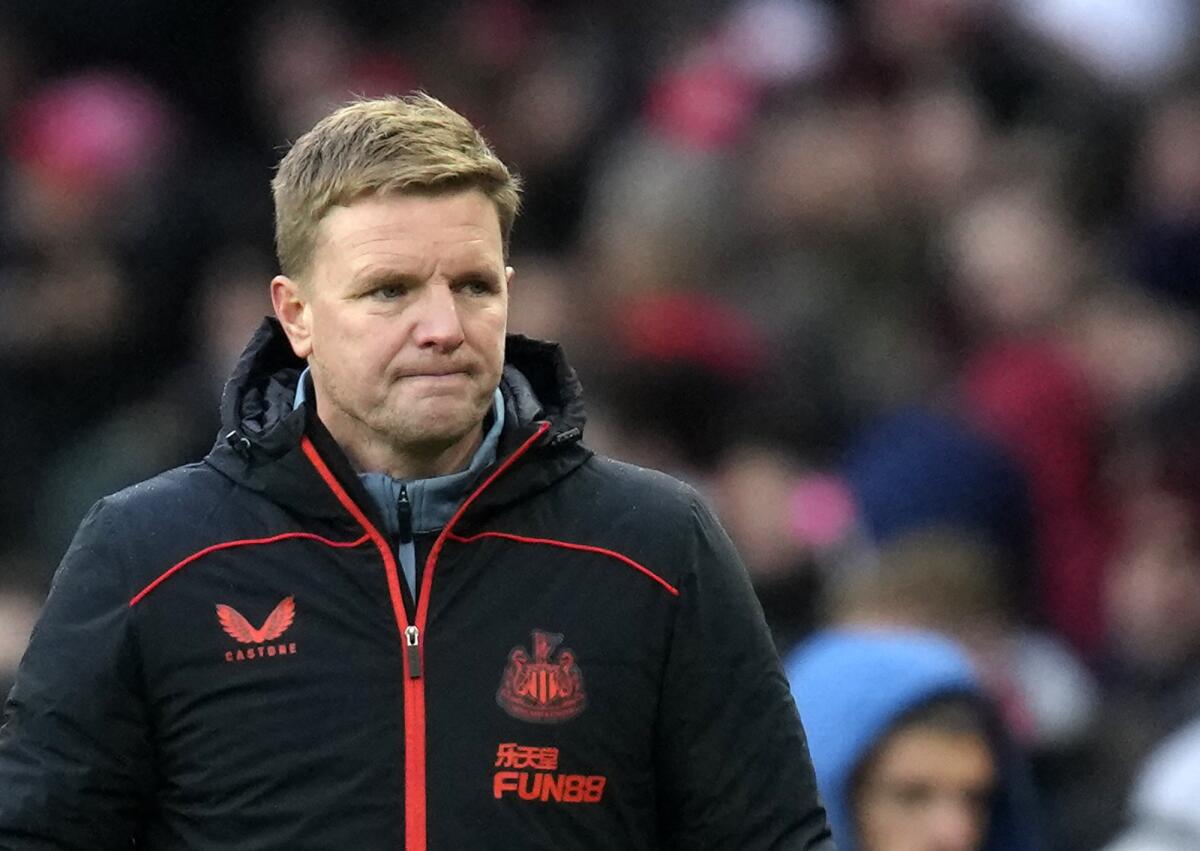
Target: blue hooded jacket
<point x="852" y="686"/>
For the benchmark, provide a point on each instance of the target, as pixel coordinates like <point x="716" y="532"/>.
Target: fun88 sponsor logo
<point x="542" y="784"/>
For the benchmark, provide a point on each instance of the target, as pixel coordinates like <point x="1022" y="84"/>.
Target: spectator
<point x="919" y="469"/>
<point x="909" y="753"/>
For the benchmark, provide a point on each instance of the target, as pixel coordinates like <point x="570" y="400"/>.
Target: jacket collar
<point x="259" y="444"/>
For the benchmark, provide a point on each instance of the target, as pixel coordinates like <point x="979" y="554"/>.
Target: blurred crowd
<point x="908" y="288"/>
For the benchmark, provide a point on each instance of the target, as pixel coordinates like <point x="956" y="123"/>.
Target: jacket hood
<point x="538" y="384"/>
<point x="261" y="431"/>
<point x="852" y="686"/>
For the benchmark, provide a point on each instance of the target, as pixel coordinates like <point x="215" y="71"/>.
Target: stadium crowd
<point x="908" y="288"/>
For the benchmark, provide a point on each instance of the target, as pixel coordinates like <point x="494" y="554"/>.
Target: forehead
<point x="459" y="227"/>
<point x="938" y="757"/>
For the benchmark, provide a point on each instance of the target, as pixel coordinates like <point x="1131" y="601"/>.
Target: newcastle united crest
<point x="546" y="688"/>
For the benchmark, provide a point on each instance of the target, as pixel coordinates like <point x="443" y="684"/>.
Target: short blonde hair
<point x="412" y="144"/>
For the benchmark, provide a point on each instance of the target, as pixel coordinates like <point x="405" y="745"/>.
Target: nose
<point x="437" y="324"/>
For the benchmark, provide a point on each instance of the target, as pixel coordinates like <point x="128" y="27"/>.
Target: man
<point x="908" y="753"/>
<point x="400" y="605"/>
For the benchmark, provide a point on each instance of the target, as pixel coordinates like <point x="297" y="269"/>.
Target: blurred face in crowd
<point x="1153" y="586"/>
<point x="926" y="790"/>
<point x="1014" y="260"/>
<point x="402" y="318"/>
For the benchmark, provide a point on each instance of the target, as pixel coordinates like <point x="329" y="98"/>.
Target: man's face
<point x="926" y="790"/>
<point x="403" y="319"/>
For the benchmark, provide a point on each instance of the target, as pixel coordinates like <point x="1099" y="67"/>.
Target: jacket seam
<point x="570" y="545"/>
<point x="233" y="544"/>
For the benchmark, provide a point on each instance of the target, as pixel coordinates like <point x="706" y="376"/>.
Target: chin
<point x="435" y="427"/>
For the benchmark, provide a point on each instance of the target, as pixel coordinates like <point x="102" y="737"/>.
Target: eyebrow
<point x="370" y="279"/>
<point x="373" y="277"/>
<point x="481" y="273"/>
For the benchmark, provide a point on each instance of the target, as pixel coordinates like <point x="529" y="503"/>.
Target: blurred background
<point x="908" y="288"/>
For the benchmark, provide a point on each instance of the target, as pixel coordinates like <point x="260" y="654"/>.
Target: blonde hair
<point x="413" y="144"/>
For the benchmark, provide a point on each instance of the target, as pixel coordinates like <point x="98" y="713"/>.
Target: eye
<point x="387" y="293"/>
<point x="912" y="796"/>
<point x="476" y="286"/>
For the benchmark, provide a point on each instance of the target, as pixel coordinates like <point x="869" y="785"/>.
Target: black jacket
<point x="229" y="660"/>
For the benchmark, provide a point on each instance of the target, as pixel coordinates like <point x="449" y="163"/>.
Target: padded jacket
<point x="228" y="658"/>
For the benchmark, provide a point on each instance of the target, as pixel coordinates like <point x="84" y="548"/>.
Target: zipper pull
<point x="412" y="648"/>
<point x="404" y="515"/>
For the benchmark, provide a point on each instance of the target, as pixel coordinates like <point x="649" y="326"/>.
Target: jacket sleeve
<point x="74" y="749"/>
<point x="733" y="764"/>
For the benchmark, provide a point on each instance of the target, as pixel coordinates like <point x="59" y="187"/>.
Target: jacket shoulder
<point x="656" y="492"/>
<point x="149" y="524"/>
<point x="659" y="521"/>
<point x="169" y="493"/>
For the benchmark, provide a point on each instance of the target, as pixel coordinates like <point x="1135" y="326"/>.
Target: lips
<point x="433" y="373"/>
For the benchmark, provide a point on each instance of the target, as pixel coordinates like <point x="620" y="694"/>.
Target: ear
<point x="509" y="274"/>
<point x="292" y="309"/>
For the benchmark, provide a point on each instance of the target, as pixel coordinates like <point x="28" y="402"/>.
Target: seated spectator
<point x="909" y="753"/>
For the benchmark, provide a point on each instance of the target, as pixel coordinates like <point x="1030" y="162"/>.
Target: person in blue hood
<point x="908" y="751"/>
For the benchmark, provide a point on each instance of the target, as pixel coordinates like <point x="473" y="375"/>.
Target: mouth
<point x="436" y="375"/>
<point x="435" y="372"/>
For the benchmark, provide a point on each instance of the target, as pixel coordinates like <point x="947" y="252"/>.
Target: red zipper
<point x="414" y="651"/>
